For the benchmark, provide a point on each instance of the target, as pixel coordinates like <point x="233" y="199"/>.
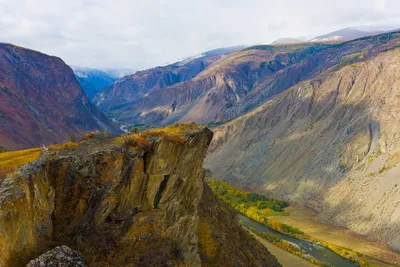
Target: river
<point x="317" y="251"/>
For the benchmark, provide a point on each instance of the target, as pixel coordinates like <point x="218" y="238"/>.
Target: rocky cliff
<point x="41" y="101"/>
<point x="123" y="207"/>
<point x="331" y="143"/>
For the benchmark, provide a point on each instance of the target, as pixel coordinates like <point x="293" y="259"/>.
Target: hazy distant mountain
<point x="118" y="73"/>
<point x="287" y="41"/>
<point x="345" y="34"/>
<point x="94" y="80"/>
<point x="214" y="52"/>
<point x="352" y="33"/>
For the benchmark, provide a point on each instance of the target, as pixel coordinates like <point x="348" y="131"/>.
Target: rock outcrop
<point x="59" y="256"/>
<point x="41" y="101"/>
<point x="121" y="207"/>
<point x="330" y="143"/>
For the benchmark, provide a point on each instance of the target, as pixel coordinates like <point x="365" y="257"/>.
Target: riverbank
<point x="303" y="219"/>
<point x="284" y="257"/>
<point x="295" y="222"/>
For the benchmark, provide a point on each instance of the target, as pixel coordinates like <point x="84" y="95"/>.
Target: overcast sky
<point x="144" y="33"/>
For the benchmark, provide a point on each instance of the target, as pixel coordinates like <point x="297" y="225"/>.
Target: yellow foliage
<point x="10" y="161"/>
<point x="206" y="241"/>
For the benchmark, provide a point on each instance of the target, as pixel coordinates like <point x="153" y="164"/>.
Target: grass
<point x="10" y="161"/>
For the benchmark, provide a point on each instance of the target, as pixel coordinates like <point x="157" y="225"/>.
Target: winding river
<point x="315" y="250"/>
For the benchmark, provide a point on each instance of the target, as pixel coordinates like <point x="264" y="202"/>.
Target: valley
<point x="284" y="153"/>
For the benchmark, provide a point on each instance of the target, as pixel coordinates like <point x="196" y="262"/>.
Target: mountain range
<point x="219" y="88"/>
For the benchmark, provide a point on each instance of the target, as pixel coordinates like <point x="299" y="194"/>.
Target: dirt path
<point x="284" y="257"/>
<point x="302" y="219"/>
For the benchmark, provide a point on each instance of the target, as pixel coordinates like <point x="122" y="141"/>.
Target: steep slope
<point x="243" y="80"/>
<point x="124" y="207"/>
<point x="330" y="143"/>
<point x="93" y="81"/>
<point x="41" y="101"/>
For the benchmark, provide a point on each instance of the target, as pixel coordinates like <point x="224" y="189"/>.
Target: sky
<point x="140" y="34"/>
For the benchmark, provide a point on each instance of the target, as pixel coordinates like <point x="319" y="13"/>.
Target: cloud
<point x="144" y="33"/>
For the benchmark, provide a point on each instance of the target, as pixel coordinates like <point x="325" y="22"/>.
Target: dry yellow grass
<point x="10" y="161"/>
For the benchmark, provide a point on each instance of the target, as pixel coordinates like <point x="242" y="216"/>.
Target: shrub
<point x="173" y="133"/>
<point x="72" y="138"/>
<point x="88" y="136"/>
<point x="135" y="141"/>
<point x="206" y="241"/>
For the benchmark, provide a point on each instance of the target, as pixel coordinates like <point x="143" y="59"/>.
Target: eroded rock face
<point x="59" y="256"/>
<point x="124" y="208"/>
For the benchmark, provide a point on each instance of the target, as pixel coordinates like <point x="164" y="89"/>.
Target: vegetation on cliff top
<point x="141" y="140"/>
